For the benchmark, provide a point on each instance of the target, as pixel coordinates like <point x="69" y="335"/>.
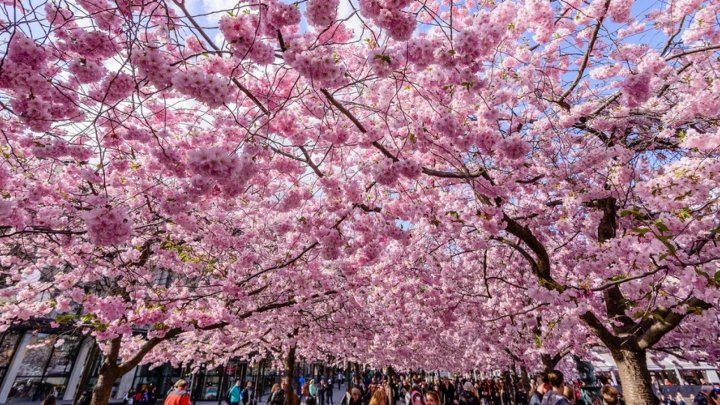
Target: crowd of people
<point x="377" y="389"/>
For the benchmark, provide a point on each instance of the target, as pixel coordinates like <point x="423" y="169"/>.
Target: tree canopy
<point x="413" y="183"/>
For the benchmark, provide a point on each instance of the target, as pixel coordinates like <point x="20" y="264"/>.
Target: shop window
<point x="160" y="378"/>
<point x="8" y="344"/>
<point x="45" y="368"/>
<point x="208" y="385"/>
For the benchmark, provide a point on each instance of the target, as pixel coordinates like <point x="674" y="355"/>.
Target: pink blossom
<point x="514" y="147"/>
<point x="209" y="89"/>
<point x="108" y="225"/>
<point x="87" y="71"/>
<point x="23" y="50"/>
<point x="153" y="65"/>
<point x="321" y="13"/>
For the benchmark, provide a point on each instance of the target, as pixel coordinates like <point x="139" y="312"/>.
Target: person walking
<point x="49" y="400"/>
<point x="541" y="387"/>
<point x="305" y="397"/>
<point x="329" y="393"/>
<point x="235" y="393"/>
<point x="555" y="395"/>
<point x="321" y="392"/>
<point x="312" y="388"/>
<point x="178" y="395"/>
<point x="468" y="396"/>
<point x="248" y="394"/>
<point x="610" y="395"/>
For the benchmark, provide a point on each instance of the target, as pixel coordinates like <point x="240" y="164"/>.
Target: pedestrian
<point x="379" y="398"/>
<point x="541" y="387"/>
<point x="447" y="392"/>
<point x="235" y="393"/>
<point x="321" y="392"/>
<point x="679" y="399"/>
<point x="569" y="393"/>
<point x="329" y="393"/>
<point x="49" y="400"/>
<point x="248" y="394"/>
<point x="86" y="397"/>
<point x="416" y="396"/>
<point x="305" y="397"/>
<point x="432" y="398"/>
<point x="152" y="395"/>
<point x="312" y="388"/>
<point x="178" y="395"/>
<point x="468" y="396"/>
<point x="702" y="397"/>
<point x="521" y="397"/>
<point x="610" y="395"/>
<point x="555" y="395"/>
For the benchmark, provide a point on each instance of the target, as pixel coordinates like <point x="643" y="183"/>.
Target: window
<point x="8" y="344"/>
<point x="45" y="368"/>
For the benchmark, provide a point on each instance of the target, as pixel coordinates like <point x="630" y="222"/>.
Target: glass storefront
<point x="9" y="341"/>
<point x="160" y="378"/>
<point x="45" y="368"/>
<point x="208" y="385"/>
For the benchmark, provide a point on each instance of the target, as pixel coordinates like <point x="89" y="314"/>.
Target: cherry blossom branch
<point x="692" y="51"/>
<point x="248" y="93"/>
<point x="390" y="155"/>
<point x="586" y="57"/>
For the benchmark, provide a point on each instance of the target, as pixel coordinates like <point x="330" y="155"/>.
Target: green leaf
<point x="384" y="58"/>
<point x="660" y="225"/>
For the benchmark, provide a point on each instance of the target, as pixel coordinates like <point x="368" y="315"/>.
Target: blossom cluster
<point x="209" y="89"/>
<point x="321" y="13"/>
<point x="317" y="64"/>
<point x="153" y="64"/>
<point x="59" y="148"/>
<point x="114" y="88"/>
<point x="242" y="34"/>
<point x="389" y="14"/>
<point x="107" y="225"/>
<point x="387" y="172"/>
<point x="87" y="71"/>
<point x="214" y="164"/>
<point x="280" y="15"/>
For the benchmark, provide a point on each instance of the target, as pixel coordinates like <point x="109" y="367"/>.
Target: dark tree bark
<point x="289" y="377"/>
<point x="635" y="377"/>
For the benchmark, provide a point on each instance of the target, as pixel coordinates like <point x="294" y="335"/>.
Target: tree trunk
<point x="525" y="378"/>
<point x="289" y="375"/>
<point x="634" y="376"/>
<point x="103" y="388"/>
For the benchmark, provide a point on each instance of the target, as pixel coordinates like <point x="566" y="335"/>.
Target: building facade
<point x="37" y="361"/>
<point x="36" y="364"/>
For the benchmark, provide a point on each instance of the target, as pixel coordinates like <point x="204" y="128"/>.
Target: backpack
<point x="138" y="396"/>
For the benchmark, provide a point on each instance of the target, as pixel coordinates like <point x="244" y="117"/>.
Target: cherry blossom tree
<point x="543" y="168"/>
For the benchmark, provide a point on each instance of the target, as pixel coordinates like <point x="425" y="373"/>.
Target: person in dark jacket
<point x="521" y="397"/>
<point x="702" y="397"/>
<point x="447" y="392"/>
<point x="468" y="396"/>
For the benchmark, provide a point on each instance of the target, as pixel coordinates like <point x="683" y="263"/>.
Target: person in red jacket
<point x="178" y="395"/>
